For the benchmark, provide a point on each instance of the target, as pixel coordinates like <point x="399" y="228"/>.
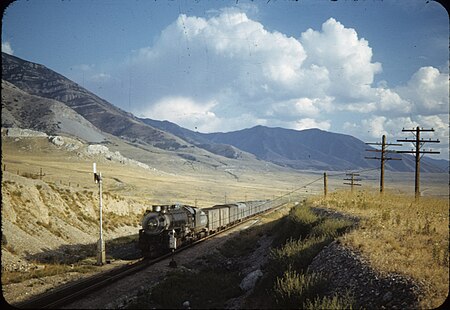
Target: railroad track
<point x="70" y="292"/>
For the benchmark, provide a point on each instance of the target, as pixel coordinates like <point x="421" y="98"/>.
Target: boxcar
<point x="231" y="212"/>
<point x="218" y="217"/>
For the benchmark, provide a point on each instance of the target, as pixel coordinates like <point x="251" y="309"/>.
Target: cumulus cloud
<point x="428" y="90"/>
<point x="6" y="48"/>
<point x="347" y="58"/>
<point x="184" y="111"/>
<point x="226" y="71"/>
<point x="308" y="123"/>
<point x="246" y="69"/>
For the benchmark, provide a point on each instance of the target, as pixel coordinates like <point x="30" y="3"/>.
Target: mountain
<point x="37" y="80"/>
<point x="311" y="149"/>
<point x="56" y="104"/>
<point x="198" y="139"/>
<point x="22" y="110"/>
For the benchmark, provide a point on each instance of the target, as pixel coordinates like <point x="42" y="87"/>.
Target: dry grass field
<point x="173" y="179"/>
<point x="402" y="235"/>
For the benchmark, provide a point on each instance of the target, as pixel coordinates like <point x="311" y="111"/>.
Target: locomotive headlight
<point x="153" y="223"/>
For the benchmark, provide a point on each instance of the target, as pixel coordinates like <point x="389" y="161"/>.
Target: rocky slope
<point x="348" y="271"/>
<point x="39" y="220"/>
<point x="36" y="79"/>
<point x="22" y="110"/>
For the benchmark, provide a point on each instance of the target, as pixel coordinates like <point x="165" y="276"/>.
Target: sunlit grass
<point x="400" y="234"/>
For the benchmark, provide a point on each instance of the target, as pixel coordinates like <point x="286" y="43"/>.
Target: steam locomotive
<point x="166" y="227"/>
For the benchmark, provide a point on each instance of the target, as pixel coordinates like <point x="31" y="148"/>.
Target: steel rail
<point x="73" y="290"/>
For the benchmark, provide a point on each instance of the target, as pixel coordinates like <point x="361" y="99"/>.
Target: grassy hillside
<point x="402" y="235"/>
<point x="49" y="197"/>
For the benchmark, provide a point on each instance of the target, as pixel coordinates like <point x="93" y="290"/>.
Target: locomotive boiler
<point x="187" y="224"/>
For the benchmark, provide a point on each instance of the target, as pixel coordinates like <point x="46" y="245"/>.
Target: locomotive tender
<point x="188" y="224"/>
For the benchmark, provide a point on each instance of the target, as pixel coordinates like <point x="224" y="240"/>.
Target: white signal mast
<point x="101" y="254"/>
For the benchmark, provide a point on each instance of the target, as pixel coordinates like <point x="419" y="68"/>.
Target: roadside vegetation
<point x="298" y="236"/>
<point x="400" y="234"/>
<point x="287" y="283"/>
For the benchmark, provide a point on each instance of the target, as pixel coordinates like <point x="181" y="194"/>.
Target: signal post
<point x="101" y="253"/>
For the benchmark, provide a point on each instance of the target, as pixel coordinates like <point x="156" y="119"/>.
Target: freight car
<point x="187" y="224"/>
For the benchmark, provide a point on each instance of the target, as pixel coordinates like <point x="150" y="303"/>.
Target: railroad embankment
<point x="323" y="254"/>
<point x="404" y="240"/>
<point x="47" y="223"/>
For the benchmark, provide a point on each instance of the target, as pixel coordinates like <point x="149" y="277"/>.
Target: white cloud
<point x="390" y="101"/>
<point x="235" y="61"/>
<point x="6" y="48"/>
<point x="428" y="90"/>
<point x="346" y="57"/>
<point x="184" y="112"/>
<point x="294" y="108"/>
<point x="375" y="126"/>
<point x="308" y="123"/>
<point x="227" y="71"/>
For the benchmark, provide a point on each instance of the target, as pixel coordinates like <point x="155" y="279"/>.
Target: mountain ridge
<point x="36" y="79"/>
<point x="304" y="150"/>
<point x="311" y="149"/>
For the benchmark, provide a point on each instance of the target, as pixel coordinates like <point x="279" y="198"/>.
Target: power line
<point x="353" y="180"/>
<point x="383" y="158"/>
<point x="418" y="144"/>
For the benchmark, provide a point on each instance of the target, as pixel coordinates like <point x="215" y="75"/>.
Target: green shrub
<point x="329" y="303"/>
<point x="331" y="227"/>
<point x="296" y="225"/>
<point x="297" y="253"/>
<point x="293" y="288"/>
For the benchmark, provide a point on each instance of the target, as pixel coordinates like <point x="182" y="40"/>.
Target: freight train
<point x="167" y="227"/>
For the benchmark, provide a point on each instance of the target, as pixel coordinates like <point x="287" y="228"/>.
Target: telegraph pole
<point x="383" y="157"/>
<point x="352" y="180"/>
<point x="101" y="255"/>
<point x="418" y="143"/>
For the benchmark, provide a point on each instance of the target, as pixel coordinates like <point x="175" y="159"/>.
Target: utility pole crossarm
<point x="418" y="143"/>
<point x="384" y="145"/>
<point x="417" y="128"/>
<point x="420" y="152"/>
<point x="352" y="180"/>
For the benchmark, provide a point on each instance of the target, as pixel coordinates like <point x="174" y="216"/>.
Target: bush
<point x="293" y="289"/>
<point x="331" y="227"/>
<point x="297" y="253"/>
<point x="296" y="225"/>
<point x="329" y="303"/>
<point x="286" y="282"/>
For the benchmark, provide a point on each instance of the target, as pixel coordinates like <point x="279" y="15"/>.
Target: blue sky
<point x="363" y="68"/>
